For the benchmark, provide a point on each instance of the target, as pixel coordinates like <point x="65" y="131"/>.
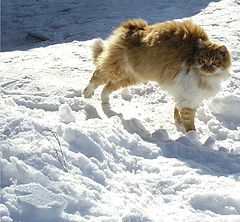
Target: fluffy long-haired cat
<point x="178" y="55"/>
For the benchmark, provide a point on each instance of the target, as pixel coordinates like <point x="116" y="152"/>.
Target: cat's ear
<point x="201" y="44"/>
<point x="222" y="50"/>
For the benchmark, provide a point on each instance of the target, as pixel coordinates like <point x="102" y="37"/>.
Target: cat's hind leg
<point x="94" y="82"/>
<point x="89" y="90"/>
<point x="115" y="85"/>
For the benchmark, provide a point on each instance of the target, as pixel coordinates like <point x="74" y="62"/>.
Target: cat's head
<point x="211" y="58"/>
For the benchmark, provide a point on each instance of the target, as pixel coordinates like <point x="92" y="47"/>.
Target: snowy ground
<point x="130" y="162"/>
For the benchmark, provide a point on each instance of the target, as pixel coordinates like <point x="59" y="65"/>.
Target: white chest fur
<point x="187" y="91"/>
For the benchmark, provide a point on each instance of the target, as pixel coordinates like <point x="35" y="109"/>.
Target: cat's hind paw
<point x="89" y="91"/>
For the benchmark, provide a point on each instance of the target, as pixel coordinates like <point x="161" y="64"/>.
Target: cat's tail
<point x="97" y="49"/>
<point x="133" y="30"/>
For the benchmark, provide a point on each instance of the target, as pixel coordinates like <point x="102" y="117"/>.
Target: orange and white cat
<point x="178" y="55"/>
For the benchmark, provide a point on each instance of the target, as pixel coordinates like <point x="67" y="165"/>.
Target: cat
<point x="178" y="55"/>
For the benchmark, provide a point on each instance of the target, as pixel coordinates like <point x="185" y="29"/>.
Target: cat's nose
<point x="207" y="67"/>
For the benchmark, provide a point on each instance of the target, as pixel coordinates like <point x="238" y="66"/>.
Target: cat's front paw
<point x="189" y="127"/>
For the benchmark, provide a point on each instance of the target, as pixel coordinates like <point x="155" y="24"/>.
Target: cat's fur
<point x="178" y="55"/>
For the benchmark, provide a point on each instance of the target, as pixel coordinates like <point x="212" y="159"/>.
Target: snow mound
<point x="82" y="142"/>
<point x="65" y="113"/>
<point x="226" y="110"/>
<point x="217" y="203"/>
<point x="136" y="217"/>
<point x="39" y="203"/>
<point x="20" y="171"/>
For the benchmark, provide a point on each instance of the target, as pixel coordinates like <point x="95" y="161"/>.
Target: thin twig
<point x="59" y="153"/>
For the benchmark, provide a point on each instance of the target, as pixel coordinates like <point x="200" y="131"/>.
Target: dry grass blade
<point x="49" y="135"/>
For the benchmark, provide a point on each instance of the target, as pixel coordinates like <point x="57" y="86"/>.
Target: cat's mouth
<point x="208" y="70"/>
<point x="208" y="73"/>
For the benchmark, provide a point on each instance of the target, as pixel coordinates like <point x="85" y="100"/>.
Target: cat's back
<point x="174" y="32"/>
<point x="164" y="48"/>
<point x="155" y="52"/>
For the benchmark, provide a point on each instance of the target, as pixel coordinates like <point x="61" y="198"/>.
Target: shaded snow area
<point x="68" y="159"/>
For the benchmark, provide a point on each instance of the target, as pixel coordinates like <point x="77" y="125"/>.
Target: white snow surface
<point x="65" y="158"/>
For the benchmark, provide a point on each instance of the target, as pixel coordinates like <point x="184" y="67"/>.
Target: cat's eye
<point x="215" y="63"/>
<point x="201" y="61"/>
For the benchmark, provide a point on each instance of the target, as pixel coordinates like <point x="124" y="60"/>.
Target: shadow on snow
<point x="31" y="24"/>
<point x="187" y="148"/>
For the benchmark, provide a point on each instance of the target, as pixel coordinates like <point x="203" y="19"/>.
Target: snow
<point x="36" y="201"/>
<point x="65" y="114"/>
<point x="65" y="158"/>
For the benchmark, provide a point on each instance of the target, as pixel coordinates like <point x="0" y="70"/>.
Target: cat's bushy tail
<point x="97" y="49"/>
